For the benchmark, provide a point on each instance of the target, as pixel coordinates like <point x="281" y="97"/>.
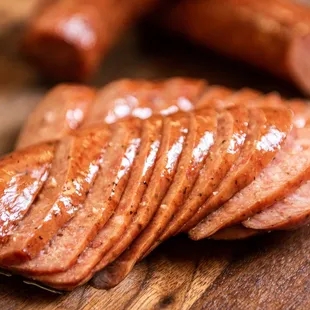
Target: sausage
<point x="73" y="172"/>
<point x="63" y="250"/>
<point x="231" y="123"/>
<point x="141" y="172"/>
<point x="290" y="213"/>
<point x="271" y="35"/>
<point x="256" y="154"/>
<point x="68" y="107"/>
<point x="22" y="175"/>
<point x="67" y="39"/>
<point x="290" y="167"/>
<point x="60" y="112"/>
<point x="198" y="143"/>
<point x="237" y="232"/>
<point x="174" y="133"/>
<point x="140" y="98"/>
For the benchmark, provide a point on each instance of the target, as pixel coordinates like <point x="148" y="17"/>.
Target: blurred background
<point x="144" y="51"/>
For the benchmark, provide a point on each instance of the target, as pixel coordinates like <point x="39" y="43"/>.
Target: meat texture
<point x="22" y="175"/>
<point x="140" y="162"/>
<point x="67" y="39"/>
<point x="272" y="35"/>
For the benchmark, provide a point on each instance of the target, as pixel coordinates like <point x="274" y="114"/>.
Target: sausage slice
<point x="253" y="157"/>
<point x="281" y="177"/>
<point x="198" y="143"/>
<point x="63" y="250"/>
<point x="290" y="213"/>
<point x="60" y="112"/>
<point x="22" y="175"/>
<point x="236" y="232"/>
<point x="142" y="99"/>
<point x="141" y="172"/>
<point x="73" y="172"/>
<point x="231" y="123"/>
<point x="175" y="129"/>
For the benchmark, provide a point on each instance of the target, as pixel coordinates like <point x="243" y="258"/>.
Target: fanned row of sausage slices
<point x="100" y="178"/>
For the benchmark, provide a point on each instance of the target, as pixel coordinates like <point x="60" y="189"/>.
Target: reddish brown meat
<point x="73" y="172"/>
<point x="293" y="211"/>
<point x="272" y="35"/>
<point x="198" y="143"/>
<point x="281" y="177"/>
<point x="60" y="112"/>
<point x="230" y="124"/>
<point x="290" y="213"/>
<point x="67" y="39"/>
<point x="236" y="232"/>
<point x="141" y="172"/>
<point x="174" y="134"/>
<point x="62" y="252"/>
<point x="22" y="175"/>
<point x="142" y="99"/>
<point x="261" y="145"/>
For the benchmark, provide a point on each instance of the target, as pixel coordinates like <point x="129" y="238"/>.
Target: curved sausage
<point x="272" y="35"/>
<point x="22" y="175"/>
<point x="67" y="39"/>
<point x="59" y="113"/>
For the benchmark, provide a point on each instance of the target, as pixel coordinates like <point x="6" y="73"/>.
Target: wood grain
<point x="267" y="272"/>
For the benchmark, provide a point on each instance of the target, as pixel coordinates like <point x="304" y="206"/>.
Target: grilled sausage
<point x="272" y="35"/>
<point x="67" y="39"/>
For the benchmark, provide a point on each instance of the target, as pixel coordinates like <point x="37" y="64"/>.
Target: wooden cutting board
<point x="267" y="272"/>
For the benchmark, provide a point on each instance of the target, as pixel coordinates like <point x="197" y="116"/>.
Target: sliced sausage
<point x="142" y="99"/>
<point x="261" y="145"/>
<point x="293" y="210"/>
<point x="237" y="232"/>
<point x="231" y="123"/>
<point x="272" y="35"/>
<point x="290" y="213"/>
<point x="175" y="129"/>
<point x="73" y="172"/>
<point x="60" y="112"/>
<point x="63" y="250"/>
<point x="67" y="39"/>
<point x="290" y="167"/>
<point x="198" y="143"/>
<point x="22" y="175"/>
<point x="141" y="172"/>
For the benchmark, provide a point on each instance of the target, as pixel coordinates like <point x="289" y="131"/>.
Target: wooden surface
<point x="268" y="272"/>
